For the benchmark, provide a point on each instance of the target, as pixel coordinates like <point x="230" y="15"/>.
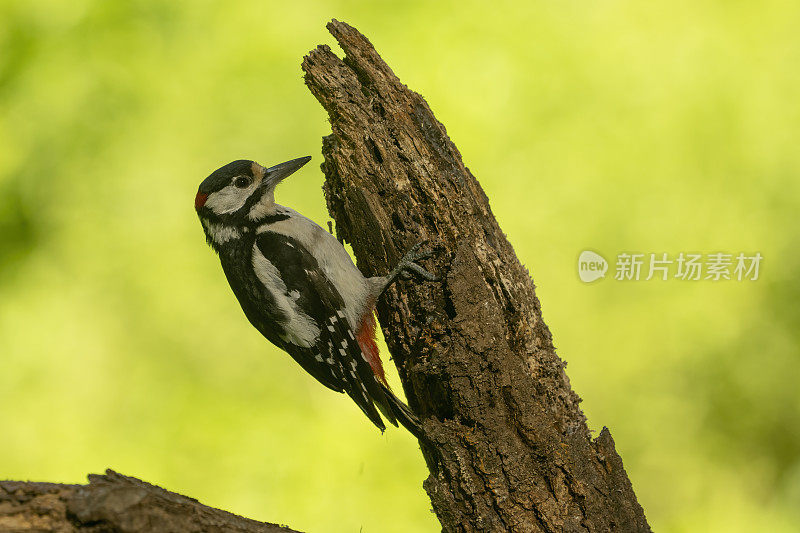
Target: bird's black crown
<point x="222" y="176"/>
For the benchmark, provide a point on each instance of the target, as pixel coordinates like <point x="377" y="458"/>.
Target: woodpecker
<point x="298" y="286"/>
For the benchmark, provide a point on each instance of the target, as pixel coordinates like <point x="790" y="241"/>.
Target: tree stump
<point x="507" y="444"/>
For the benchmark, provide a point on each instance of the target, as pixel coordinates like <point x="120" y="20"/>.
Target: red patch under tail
<point x="366" y="339"/>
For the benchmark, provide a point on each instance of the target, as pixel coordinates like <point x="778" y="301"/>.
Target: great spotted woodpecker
<point x="298" y="286"/>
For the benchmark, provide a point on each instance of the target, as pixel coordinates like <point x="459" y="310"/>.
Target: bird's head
<point x="238" y="195"/>
<point x="242" y="192"/>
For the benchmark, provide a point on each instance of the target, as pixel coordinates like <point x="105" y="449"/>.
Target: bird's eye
<point x="242" y="182"/>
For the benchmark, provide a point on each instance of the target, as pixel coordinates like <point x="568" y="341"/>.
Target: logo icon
<point x="591" y="266"/>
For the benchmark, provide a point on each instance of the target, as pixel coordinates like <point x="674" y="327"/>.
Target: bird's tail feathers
<point x="401" y="412"/>
<point x="368" y="408"/>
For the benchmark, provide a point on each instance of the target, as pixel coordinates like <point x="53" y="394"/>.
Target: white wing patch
<point x="300" y="328"/>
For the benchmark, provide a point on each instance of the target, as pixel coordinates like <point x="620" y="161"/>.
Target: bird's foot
<point x="408" y="264"/>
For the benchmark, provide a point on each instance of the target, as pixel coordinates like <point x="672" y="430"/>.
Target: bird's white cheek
<point x="228" y="200"/>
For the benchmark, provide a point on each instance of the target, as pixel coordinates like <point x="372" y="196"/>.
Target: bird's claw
<point x="409" y="264"/>
<point x="413" y="254"/>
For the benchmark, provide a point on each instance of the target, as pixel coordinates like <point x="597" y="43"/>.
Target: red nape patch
<point x="366" y="339"/>
<point x="200" y="200"/>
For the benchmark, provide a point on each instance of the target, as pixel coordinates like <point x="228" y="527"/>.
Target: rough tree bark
<point x="507" y="445"/>
<point x="113" y="503"/>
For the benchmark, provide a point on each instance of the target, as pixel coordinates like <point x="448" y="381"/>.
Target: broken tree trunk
<point x="507" y="445"/>
<point x="113" y="502"/>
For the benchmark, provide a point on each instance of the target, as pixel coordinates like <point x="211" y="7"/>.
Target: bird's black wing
<point x="335" y="358"/>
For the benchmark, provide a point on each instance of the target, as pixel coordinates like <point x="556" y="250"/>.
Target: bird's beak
<point x="274" y="175"/>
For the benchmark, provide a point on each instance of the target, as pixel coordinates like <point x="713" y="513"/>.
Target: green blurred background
<point x="614" y="126"/>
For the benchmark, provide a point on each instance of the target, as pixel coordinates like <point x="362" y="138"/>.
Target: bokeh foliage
<point x="613" y="126"/>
